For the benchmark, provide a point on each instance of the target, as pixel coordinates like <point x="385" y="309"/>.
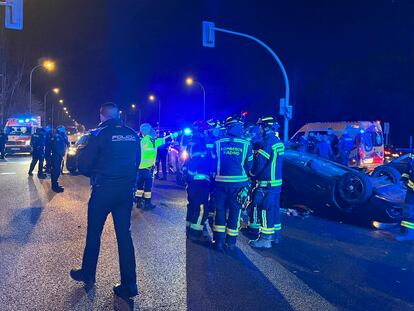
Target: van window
<point x="372" y="139"/>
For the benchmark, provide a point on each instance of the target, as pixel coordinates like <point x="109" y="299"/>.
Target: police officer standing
<point x="407" y="223"/>
<point x="110" y="159"/>
<point x="234" y="159"/>
<point x="48" y="148"/>
<point x="59" y="144"/>
<point x="38" y="152"/>
<point x="267" y="173"/>
<point x="198" y="171"/>
<point x="3" y="140"/>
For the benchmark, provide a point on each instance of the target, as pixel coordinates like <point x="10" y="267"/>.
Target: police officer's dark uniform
<point x="161" y="162"/>
<point x="48" y="149"/>
<point x="110" y="159"/>
<point x="407" y="223"/>
<point x="3" y="140"/>
<point x="234" y="159"/>
<point x="59" y="144"/>
<point x="198" y="170"/>
<point x="267" y="173"/>
<point x="38" y="152"/>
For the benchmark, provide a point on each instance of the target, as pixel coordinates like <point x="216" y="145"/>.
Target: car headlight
<point x="72" y="151"/>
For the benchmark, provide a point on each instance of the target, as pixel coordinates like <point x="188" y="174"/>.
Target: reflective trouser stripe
<point x="254" y="224"/>
<point x="264" y="229"/>
<point x="232" y="232"/>
<point x="239" y="220"/>
<point x="200" y="217"/>
<point x="410" y="184"/>
<point x="272" y="183"/>
<point x="218" y="228"/>
<point x="407" y="224"/>
<point x="139" y="193"/>
<point x="147" y="195"/>
<point x="278" y="227"/>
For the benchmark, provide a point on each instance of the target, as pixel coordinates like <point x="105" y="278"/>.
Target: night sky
<point x="346" y="60"/>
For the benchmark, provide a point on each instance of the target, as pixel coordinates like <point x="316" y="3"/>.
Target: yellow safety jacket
<point x="149" y="151"/>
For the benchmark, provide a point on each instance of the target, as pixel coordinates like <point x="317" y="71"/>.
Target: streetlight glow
<point x="56" y="90"/>
<point x="133" y="106"/>
<point x="189" y="81"/>
<point x="151" y="98"/>
<point x="64" y="108"/>
<point x="60" y="101"/>
<point x="49" y="65"/>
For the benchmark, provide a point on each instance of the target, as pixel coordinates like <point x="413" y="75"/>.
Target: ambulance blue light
<point x="21" y="121"/>
<point x="187" y="131"/>
<point x="27" y="120"/>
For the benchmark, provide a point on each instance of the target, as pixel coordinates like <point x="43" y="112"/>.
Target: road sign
<point x="14" y="14"/>
<point x="208" y="35"/>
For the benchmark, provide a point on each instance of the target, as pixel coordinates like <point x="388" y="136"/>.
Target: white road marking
<point x="8" y="173"/>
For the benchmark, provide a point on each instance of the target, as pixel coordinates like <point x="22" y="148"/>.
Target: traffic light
<point x="14" y="14"/>
<point x="208" y="35"/>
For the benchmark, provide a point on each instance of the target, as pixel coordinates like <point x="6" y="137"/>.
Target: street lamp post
<point x="153" y="99"/>
<point x="47" y="65"/>
<point x="54" y="90"/>
<point x="53" y="111"/>
<point x="190" y="81"/>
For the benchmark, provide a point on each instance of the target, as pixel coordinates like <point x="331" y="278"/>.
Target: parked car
<point x="72" y="154"/>
<point x="331" y="189"/>
<point x="177" y="154"/>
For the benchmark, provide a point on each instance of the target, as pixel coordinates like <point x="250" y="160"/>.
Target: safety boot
<point x="408" y="235"/>
<point x="264" y="241"/>
<point x="148" y="204"/>
<point x="58" y="189"/>
<point x="275" y="237"/>
<point x="140" y="202"/>
<point x="41" y="176"/>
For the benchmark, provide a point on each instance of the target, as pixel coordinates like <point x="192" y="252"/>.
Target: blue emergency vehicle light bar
<point x="187" y="131"/>
<point x="21" y="121"/>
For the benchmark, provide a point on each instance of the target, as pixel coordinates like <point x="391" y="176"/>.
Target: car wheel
<point x="353" y="189"/>
<point x="390" y="173"/>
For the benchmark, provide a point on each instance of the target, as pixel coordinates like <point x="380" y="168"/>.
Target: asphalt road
<point x="319" y="264"/>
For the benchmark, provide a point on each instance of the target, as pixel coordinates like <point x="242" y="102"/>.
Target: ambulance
<point x="19" y="131"/>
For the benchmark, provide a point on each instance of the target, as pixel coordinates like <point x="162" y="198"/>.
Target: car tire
<point x="353" y="189"/>
<point x="389" y="172"/>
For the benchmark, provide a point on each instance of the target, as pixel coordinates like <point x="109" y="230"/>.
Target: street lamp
<point x="47" y="65"/>
<point x="134" y="107"/>
<point x="60" y="101"/>
<point x="153" y="99"/>
<point x="190" y="82"/>
<point x="55" y="90"/>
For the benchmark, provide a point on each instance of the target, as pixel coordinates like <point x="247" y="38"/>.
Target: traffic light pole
<point x="286" y="108"/>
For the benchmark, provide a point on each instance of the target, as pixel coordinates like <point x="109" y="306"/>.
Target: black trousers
<point x="56" y="168"/>
<point x="117" y="200"/>
<point x="48" y="159"/>
<point x="2" y="151"/>
<point x="37" y="157"/>
<point x="198" y="193"/>
<point x="144" y="183"/>
<point x="162" y="161"/>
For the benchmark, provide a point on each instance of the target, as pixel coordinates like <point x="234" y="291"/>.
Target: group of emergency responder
<point x="328" y="146"/>
<point x="231" y="170"/>
<point x="50" y="146"/>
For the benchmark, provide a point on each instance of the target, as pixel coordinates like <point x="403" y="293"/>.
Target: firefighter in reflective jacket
<point x="198" y="170"/>
<point x="407" y="223"/>
<point x="267" y="173"/>
<point x="234" y="159"/>
<point x="149" y="145"/>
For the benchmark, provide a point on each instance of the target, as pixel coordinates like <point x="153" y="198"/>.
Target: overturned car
<point x="333" y="190"/>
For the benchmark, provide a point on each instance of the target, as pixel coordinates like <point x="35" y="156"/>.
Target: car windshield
<point x="18" y="130"/>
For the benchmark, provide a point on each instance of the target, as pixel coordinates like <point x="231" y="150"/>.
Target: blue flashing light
<point x="187" y="131"/>
<point x="27" y="120"/>
<point x="21" y="121"/>
<point x="362" y="131"/>
<point x="33" y="119"/>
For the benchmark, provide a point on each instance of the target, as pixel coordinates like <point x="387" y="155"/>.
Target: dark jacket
<point x="59" y="143"/>
<point x="38" y="143"/>
<point x="3" y="139"/>
<point x="111" y="154"/>
<point x="268" y="163"/>
<point x="324" y="150"/>
<point x="234" y="158"/>
<point x="200" y="165"/>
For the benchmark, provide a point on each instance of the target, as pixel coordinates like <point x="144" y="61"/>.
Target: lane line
<point x="8" y="173"/>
